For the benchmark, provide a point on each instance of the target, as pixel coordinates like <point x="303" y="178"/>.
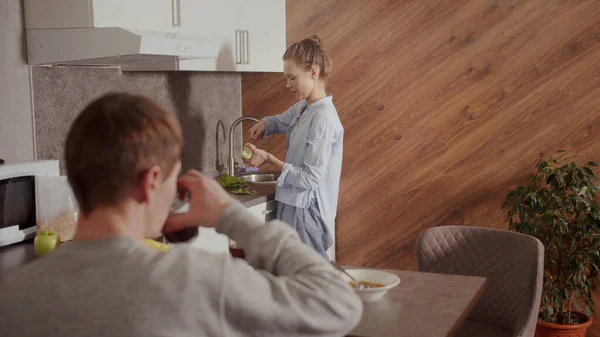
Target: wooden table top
<point x="422" y="305"/>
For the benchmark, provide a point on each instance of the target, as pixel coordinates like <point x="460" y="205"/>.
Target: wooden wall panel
<point x="446" y="105"/>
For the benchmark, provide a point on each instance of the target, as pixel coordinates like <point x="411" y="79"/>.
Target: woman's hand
<point x="259" y="156"/>
<point x="257" y="130"/>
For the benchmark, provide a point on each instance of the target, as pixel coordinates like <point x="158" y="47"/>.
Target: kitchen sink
<point x="259" y="177"/>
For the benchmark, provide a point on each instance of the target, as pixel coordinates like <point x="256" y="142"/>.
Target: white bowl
<point x="388" y="280"/>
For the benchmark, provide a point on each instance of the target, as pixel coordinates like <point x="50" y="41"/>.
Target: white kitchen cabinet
<point x="265" y="211"/>
<point x="331" y="250"/>
<point x="160" y="15"/>
<point x="209" y="239"/>
<point x="251" y="33"/>
<point x="163" y="15"/>
<point x="262" y="24"/>
<point x="215" y="20"/>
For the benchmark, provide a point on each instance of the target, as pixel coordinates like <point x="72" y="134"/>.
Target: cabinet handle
<point x="246" y="47"/>
<point x="238" y="46"/>
<point x="267" y="211"/>
<point x="176" y="5"/>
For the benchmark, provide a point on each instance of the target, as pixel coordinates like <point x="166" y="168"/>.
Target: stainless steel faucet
<point x="231" y="167"/>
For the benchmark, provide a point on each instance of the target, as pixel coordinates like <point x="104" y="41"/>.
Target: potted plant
<point x="559" y="208"/>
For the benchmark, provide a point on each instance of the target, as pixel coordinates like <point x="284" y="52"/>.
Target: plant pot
<point x="544" y="329"/>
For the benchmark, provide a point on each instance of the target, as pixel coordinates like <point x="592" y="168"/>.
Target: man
<point x="122" y="161"/>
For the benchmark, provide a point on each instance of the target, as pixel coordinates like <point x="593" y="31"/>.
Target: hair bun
<point x="315" y="40"/>
<point x="308" y="52"/>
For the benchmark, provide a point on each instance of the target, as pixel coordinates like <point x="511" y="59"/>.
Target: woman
<point x="307" y="190"/>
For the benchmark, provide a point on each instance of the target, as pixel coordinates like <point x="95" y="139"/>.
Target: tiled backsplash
<point x="203" y="102"/>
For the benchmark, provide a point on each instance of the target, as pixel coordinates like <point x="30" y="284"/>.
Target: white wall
<point x="16" y="124"/>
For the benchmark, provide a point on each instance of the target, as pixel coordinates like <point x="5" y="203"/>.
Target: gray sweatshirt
<point x="120" y="287"/>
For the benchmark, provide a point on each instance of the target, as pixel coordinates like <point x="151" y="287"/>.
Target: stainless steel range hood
<point x="130" y="49"/>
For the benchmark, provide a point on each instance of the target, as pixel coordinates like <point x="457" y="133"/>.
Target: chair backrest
<point x="513" y="264"/>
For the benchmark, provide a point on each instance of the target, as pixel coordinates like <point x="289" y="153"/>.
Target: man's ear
<point x="149" y="183"/>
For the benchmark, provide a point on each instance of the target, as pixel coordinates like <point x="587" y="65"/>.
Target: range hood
<point x="127" y="48"/>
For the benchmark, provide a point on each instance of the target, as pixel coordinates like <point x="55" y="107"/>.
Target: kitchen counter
<point x="264" y="193"/>
<point x="16" y="255"/>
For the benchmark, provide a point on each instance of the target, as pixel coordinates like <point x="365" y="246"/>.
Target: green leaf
<point x="241" y="191"/>
<point x="226" y="180"/>
<point x="559" y="207"/>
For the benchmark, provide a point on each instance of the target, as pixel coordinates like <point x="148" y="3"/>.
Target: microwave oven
<point x="18" y="202"/>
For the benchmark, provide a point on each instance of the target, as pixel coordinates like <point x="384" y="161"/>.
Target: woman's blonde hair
<point x="309" y="52"/>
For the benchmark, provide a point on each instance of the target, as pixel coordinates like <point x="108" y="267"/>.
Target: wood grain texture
<point x="446" y="106"/>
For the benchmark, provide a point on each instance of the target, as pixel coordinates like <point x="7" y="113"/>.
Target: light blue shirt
<point x="313" y="163"/>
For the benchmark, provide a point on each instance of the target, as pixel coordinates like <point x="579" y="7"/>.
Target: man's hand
<point x="207" y="200"/>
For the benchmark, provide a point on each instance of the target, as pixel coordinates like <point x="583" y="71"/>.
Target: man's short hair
<point x="112" y="144"/>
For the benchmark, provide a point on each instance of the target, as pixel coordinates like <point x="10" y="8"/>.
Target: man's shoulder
<point x="128" y="280"/>
<point x="63" y="268"/>
<point x="187" y="256"/>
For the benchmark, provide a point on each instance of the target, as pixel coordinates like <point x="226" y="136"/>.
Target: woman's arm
<point x="281" y="122"/>
<point x="271" y="159"/>
<point x="310" y="174"/>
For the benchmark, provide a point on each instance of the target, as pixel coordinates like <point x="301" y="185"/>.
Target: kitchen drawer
<point x="266" y="210"/>
<point x="209" y="239"/>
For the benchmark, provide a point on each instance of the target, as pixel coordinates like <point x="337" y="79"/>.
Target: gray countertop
<point x="14" y="256"/>
<point x="264" y="193"/>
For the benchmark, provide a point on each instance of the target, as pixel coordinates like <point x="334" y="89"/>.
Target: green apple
<point x="45" y="241"/>
<point x="247" y="153"/>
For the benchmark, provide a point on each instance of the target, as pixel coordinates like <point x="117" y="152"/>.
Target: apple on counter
<point x="45" y="241"/>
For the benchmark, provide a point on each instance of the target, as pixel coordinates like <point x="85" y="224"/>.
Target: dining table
<point x="422" y="305"/>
